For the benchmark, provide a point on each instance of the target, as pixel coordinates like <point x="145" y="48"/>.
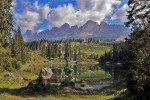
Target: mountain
<point x="90" y="29"/>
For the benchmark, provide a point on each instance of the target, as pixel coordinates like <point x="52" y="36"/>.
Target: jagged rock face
<point x="90" y="26"/>
<point x="90" y="29"/>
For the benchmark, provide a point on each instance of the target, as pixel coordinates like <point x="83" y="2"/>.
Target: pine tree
<point x="138" y="15"/>
<point x="6" y="27"/>
<point x="49" y="52"/>
<point x="138" y="79"/>
<point x="79" y="54"/>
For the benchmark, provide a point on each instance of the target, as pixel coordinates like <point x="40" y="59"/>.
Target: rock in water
<point x="46" y="72"/>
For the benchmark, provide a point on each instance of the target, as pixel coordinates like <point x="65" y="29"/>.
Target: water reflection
<point x="115" y="70"/>
<point x="73" y="72"/>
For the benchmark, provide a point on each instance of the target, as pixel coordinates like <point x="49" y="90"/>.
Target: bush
<point x="15" y="64"/>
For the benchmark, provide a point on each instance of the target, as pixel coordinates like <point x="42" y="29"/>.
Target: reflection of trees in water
<point x="57" y="74"/>
<point x="77" y="71"/>
<point x="115" y="70"/>
<point x="62" y="72"/>
<point x="65" y="72"/>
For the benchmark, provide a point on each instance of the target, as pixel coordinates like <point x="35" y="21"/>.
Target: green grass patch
<point x="95" y="74"/>
<point x="89" y="49"/>
<point x="9" y="86"/>
<point x="75" y="44"/>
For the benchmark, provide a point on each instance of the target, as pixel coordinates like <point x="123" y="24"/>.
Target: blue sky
<point x="38" y="15"/>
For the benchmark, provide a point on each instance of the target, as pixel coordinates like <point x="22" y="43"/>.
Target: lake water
<point x="85" y="77"/>
<point x="62" y="73"/>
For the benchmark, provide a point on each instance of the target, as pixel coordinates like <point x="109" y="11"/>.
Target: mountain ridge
<point x="90" y="29"/>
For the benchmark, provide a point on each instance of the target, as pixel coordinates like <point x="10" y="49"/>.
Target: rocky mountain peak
<point x="90" y="23"/>
<point x="89" y="26"/>
<point x="66" y="25"/>
<point x="90" y="29"/>
<point x="29" y="32"/>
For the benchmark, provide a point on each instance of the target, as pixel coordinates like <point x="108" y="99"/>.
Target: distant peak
<point x="103" y="23"/>
<point x="65" y="25"/>
<point x="53" y="28"/>
<point x="91" y="22"/>
<point x="75" y="26"/>
<point x="29" y="32"/>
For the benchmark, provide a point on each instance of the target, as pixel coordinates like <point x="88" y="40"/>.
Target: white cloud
<point x="28" y="19"/>
<point x="61" y="15"/>
<point x="121" y="13"/>
<point x="32" y="15"/>
<point x="43" y="10"/>
<point x="14" y="3"/>
<point x="95" y="10"/>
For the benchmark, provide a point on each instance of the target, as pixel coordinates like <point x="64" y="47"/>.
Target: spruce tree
<point x="17" y="45"/>
<point x="6" y="27"/>
<point x="138" y="79"/>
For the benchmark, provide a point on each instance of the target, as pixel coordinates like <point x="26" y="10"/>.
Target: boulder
<point x="20" y="78"/>
<point x="8" y="74"/>
<point x="46" y="72"/>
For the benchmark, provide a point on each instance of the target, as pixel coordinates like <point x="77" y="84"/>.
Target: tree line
<point x="51" y="50"/>
<point x="118" y="53"/>
<point x="13" y="52"/>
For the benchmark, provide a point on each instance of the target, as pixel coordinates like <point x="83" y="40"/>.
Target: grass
<point x="9" y="91"/>
<point x="7" y="96"/>
<point x="95" y="74"/>
<point x="75" y="44"/>
<point x="9" y="86"/>
<point x="88" y="61"/>
<point x="90" y="49"/>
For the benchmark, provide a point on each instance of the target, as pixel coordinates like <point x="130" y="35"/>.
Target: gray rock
<point x="20" y="78"/>
<point x="46" y="72"/>
<point x="8" y="74"/>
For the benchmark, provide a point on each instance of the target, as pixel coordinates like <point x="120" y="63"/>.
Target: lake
<point x="92" y="77"/>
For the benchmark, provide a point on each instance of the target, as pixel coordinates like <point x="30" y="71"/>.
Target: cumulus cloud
<point x="14" y="3"/>
<point x="95" y="10"/>
<point x="62" y="14"/>
<point x="121" y="13"/>
<point x="32" y="15"/>
<point x="43" y="10"/>
<point x="28" y="19"/>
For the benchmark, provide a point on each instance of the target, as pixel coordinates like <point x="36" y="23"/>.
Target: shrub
<point x="15" y="64"/>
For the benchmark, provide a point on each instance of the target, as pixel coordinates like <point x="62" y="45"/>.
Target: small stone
<point x="11" y="75"/>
